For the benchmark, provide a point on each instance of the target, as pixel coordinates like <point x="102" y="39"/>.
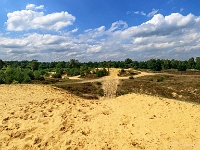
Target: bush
<point x="15" y="82"/>
<point x="102" y="72"/>
<point x="57" y="75"/>
<point x="182" y="67"/>
<point x="98" y="83"/>
<point x="2" y="77"/>
<point x="38" y="76"/>
<point x="160" y="79"/>
<point x="27" y="79"/>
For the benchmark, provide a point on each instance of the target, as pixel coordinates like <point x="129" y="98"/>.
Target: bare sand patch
<point x="43" y="117"/>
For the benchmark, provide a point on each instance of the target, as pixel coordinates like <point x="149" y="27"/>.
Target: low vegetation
<point x="181" y="87"/>
<point x="84" y="90"/>
<point x="127" y="72"/>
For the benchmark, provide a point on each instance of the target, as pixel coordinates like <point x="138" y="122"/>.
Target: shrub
<point x="98" y="83"/>
<point x="160" y="79"/>
<point x="15" y="82"/>
<point x="56" y="75"/>
<point x="182" y="67"/>
<point x="102" y="72"/>
<point x="27" y="79"/>
<point x="38" y="76"/>
<point x="2" y="77"/>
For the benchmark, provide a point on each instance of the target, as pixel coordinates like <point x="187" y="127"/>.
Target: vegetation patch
<point x="127" y="72"/>
<point x="185" y="88"/>
<point x="84" y="90"/>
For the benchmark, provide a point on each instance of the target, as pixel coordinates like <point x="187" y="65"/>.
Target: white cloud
<point x="94" y="49"/>
<point x="140" y="13"/>
<point x="152" y="13"/>
<point x="74" y="30"/>
<point x="34" y="7"/>
<point x="30" y="19"/>
<point x="118" y="25"/>
<point x="171" y="36"/>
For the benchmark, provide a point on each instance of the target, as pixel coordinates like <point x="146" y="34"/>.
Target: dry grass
<point x="185" y="88"/>
<point x="84" y="90"/>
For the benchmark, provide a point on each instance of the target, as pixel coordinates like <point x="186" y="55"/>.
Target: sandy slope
<point x="42" y="117"/>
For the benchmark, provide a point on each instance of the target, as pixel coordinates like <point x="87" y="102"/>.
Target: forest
<point x="26" y="71"/>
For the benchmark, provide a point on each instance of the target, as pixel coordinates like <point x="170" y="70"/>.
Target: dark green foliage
<point x="30" y="73"/>
<point x="26" y="79"/>
<point x="2" y="77"/>
<point x="98" y="83"/>
<point x="15" y="75"/>
<point x="198" y="63"/>
<point x="101" y="72"/>
<point x="166" y="64"/>
<point x="57" y="75"/>
<point x="34" y="65"/>
<point x="160" y="79"/>
<point x="1" y="64"/>
<point x="154" y="64"/>
<point x="191" y="64"/>
<point x="182" y="66"/>
<point x="38" y="76"/>
<point x="73" y="71"/>
<point x="84" y="70"/>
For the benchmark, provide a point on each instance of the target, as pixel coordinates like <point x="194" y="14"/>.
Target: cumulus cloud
<point x="118" y="25"/>
<point x="31" y="19"/>
<point x="34" y="7"/>
<point x="162" y="36"/>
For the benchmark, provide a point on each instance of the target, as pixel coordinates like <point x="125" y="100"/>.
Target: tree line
<point x="26" y="71"/>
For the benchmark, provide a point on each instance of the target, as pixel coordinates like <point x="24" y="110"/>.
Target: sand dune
<point x="43" y="117"/>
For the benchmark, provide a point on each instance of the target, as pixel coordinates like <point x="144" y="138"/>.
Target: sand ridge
<point x="43" y="117"/>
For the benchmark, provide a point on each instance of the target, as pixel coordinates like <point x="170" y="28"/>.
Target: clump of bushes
<point x="57" y="75"/>
<point x="101" y="72"/>
<point x="18" y="75"/>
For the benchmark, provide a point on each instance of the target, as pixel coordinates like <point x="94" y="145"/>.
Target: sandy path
<point x="42" y="117"/>
<point x="109" y="84"/>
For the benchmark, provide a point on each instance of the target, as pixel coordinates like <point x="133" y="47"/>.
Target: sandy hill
<point x="43" y="117"/>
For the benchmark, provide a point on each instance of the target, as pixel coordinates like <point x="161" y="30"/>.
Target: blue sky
<point x="89" y="30"/>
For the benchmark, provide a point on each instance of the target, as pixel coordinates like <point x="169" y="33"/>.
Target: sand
<point x="43" y="117"/>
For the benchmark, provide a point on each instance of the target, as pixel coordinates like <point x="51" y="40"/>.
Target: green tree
<point x="38" y="76"/>
<point x="128" y="62"/>
<point x="198" y="63"/>
<point x="60" y="64"/>
<point x="155" y="65"/>
<point x="142" y="65"/>
<point x="182" y="66"/>
<point x="191" y="63"/>
<point x="1" y="64"/>
<point x="101" y="72"/>
<point x="74" y="63"/>
<point x="166" y="64"/>
<point x="34" y="65"/>
<point x="174" y="64"/>
<point x="2" y="77"/>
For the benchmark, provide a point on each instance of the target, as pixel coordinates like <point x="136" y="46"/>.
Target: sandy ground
<point x="43" y="117"/>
